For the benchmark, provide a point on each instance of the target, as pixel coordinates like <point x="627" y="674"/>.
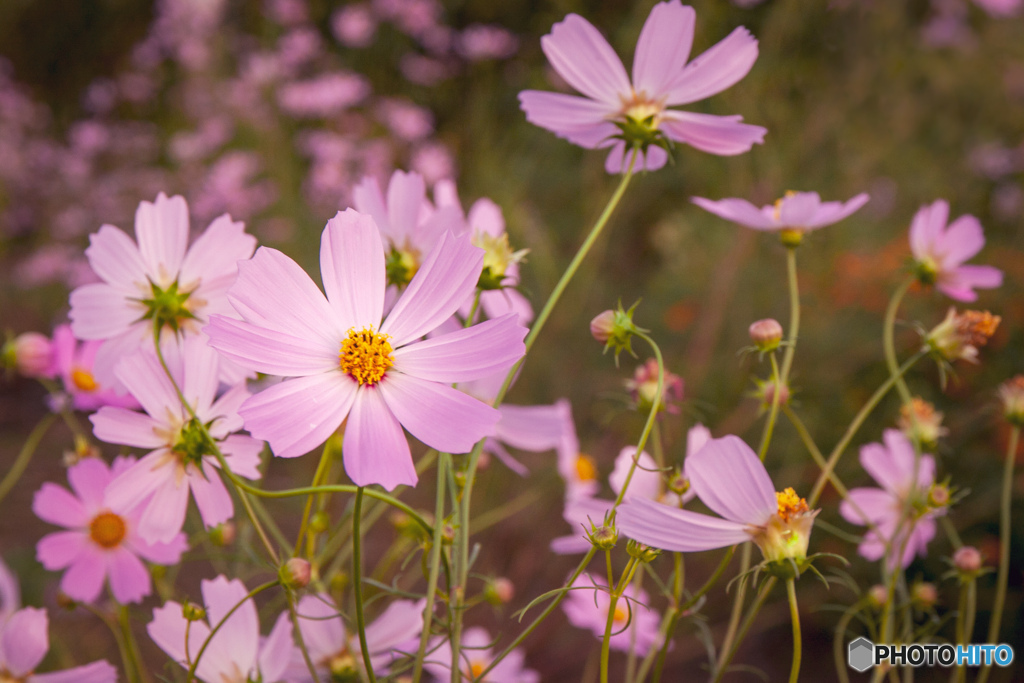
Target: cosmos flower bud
<point x="765" y="391"/>
<point x="766" y="334"/>
<point x="319" y="522"/>
<point x="924" y="595"/>
<point x="678" y="483"/>
<point x="192" y="612"/>
<point x="499" y="591"/>
<point x="959" y="335"/>
<point x="644" y="388"/>
<point x="65" y="601"/>
<point x="615" y="329"/>
<point x="938" y="496"/>
<point x="921" y="422"/>
<point x="967" y="561"/>
<point x="29" y="354"/>
<point x="644" y="553"/>
<point x="223" y="534"/>
<point x="295" y="573"/>
<point x="878" y="596"/>
<point x="604" y="537"/>
<point x="1012" y="394"/>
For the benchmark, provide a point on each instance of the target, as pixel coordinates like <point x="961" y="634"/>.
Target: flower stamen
<point x="107" y="530"/>
<point x="365" y="355"/>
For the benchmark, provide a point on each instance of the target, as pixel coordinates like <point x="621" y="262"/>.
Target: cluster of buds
<point x="615" y="329"/>
<point x="920" y="422"/>
<point x="959" y="336"/>
<point x="1012" y="394"/>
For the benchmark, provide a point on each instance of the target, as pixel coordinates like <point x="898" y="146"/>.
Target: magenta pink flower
<point x="730" y="479"/>
<point x="24" y="640"/>
<point x="476" y="653"/>
<point x="236" y="653"/>
<point x="346" y="363"/>
<point x="102" y="541"/>
<point x="939" y="252"/>
<point x="892" y="465"/>
<point x="182" y="459"/>
<point x="337" y="653"/>
<point x="158" y="282"/>
<point x="73" y="362"/>
<point x="633" y="621"/>
<point x="614" y="107"/>
<point x="803" y="211"/>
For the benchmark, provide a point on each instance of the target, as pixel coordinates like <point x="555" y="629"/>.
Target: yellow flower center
<point x="790" y="504"/>
<point x="641" y="107"/>
<point x="621" y="614"/>
<point x="365" y="355"/>
<point x="586" y="470"/>
<point x="107" y="530"/>
<point x="476" y="667"/>
<point x="84" y="380"/>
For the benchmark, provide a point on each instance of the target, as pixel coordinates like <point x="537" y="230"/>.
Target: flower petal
<point x="833" y="212"/>
<point x="211" y="496"/>
<point x="269" y="351"/>
<point x="83" y="580"/>
<point x="959" y="284"/>
<point x="400" y="622"/>
<point x="144" y="377"/>
<point x="213" y="258"/>
<point x="663" y="47"/>
<point x="581" y="55"/>
<point x="375" y="449"/>
<point x="242" y="454"/>
<point x="239" y="634"/>
<point x="99" y="311"/>
<point x="468" y="354"/>
<point x="646" y="481"/>
<point x="738" y="211"/>
<point x="352" y="268"/>
<point x="533" y="428"/>
<point x="730" y="479"/>
<point x="56" y="505"/>
<point x="136" y="483"/>
<point x="661" y="526"/>
<point x="276" y="650"/>
<point x="407" y="193"/>
<point x="962" y="240"/>
<point x="115" y="258"/>
<point x="100" y="671"/>
<point x="58" y="550"/>
<point x="720" y="67"/>
<point x="798" y="210"/>
<point x="129" y="578"/>
<point x="723" y="135"/>
<point x="323" y="631"/>
<point x="584" y="122"/>
<point x="299" y="414"/>
<point x="367" y="198"/>
<point x="164" y="514"/>
<point x="24" y="640"/>
<point x="867" y="505"/>
<point x="126" y="427"/>
<point x="168" y="627"/>
<point x="161" y="229"/>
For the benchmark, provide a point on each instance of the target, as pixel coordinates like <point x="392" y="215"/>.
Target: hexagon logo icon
<point x="860" y="654"/>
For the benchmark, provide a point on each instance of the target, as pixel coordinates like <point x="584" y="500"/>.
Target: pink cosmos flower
<point x="10" y="593"/>
<point x="24" y="640"/>
<point x="337" y="654"/>
<point x="102" y="541"/>
<point x="73" y="362"/>
<point x="730" y="479"/>
<point x="614" y="106"/>
<point x="803" y="211"/>
<point x="892" y="465"/>
<point x="181" y="459"/>
<point x="635" y="625"/>
<point x="476" y="653"/>
<point x="346" y="363"/>
<point x="939" y="252"/>
<point x="235" y="653"/>
<point x="157" y="282"/>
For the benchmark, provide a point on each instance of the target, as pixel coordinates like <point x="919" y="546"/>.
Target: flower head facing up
<point x="791" y="216"/>
<point x="73" y="362"/>
<point x="345" y="363"/>
<point x="635" y="114"/>
<point x="730" y="479"/>
<point x="940" y="252"/>
<point x="102" y="541"/>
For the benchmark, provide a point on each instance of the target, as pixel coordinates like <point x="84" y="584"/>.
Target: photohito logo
<point x="862" y="654"/>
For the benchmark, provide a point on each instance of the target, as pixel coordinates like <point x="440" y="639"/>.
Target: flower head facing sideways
<point x="73" y="362"/>
<point x="634" y="623"/>
<point x="102" y="541"/>
<point x="623" y="114"/>
<point x="235" y="653"/>
<point x="157" y="283"/>
<point x="730" y="479"/>
<point x="940" y="252"/>
<point x="347" y="365"/>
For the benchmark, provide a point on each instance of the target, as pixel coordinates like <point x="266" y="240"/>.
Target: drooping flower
<point x="940" y="252"/>
<point x="235" y="653"/>
<point x="621" y="114"/>
<point x="634" y="624"/>
<point x="102" y="542"/>
<point x="919" y="420"/>
<point x="346" y="363"/>
<point x="794" y="214"/>
<point x="336" y="654"/>
<point x="158" y="283"/>
<point x="73" y="362"/>
<point x="730" y="479"/>
<point x="476" y="653"/>
<point x="644" y="388"/>
<point x="959" y="335"/>
<point x="24" y="641"/>
<point x="891" y="464"/>
<point x="182" y="458"/>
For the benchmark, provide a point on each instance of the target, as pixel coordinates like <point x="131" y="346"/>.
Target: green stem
<point x="1004" y="546"/>
<point x="773" y="413"/>
<point x="794" y="614"/>
<point x="443" y="465"/>
<point x="609" y="626"/>
<point x="126" y="657"/>
<point x="357" y="583"/>
<point x="794" y="314"/>
<point x="28" y="449"/>
<point x="321" y="471"/>
<point x="889" y="339"/>
<point x="737" y="610"/>
<point x="199" y="655"/>
<point x="301" y="641"/>
<point x="133" y="647"/>
<point x="748" y="621"/>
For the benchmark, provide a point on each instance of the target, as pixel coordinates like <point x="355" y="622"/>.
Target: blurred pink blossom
<point x="483" y="41"/>
<point x="322" y="96"/>
<point x="354" y="25"/>
<point x="940" y="252"/>
<point x="24" y="642"/>
<point x="634" y="624"/>
<point x="802" y="211"/>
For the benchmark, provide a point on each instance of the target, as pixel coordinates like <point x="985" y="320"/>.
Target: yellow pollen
<point x="365" y="355"/>
<point x="790" y="504"/>
<point x="977" y="326"/>
<point x="84" y="380"/>
<point x="107" y="530"/>
<point x="586" y="470"/>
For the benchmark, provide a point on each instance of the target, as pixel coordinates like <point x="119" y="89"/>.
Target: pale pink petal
<point x="618" y="159"/>
<point x="242" y="454"/>
<point x="646" y="481"/>
<point x="83" y="580"/>
<point x="162" y="232"/>
<point x="269" y="351"/>
<point x="213" y="258"/>
<point x="10" y="593"/>
<point x="367" y="198"/>
<point x="723" y="135"/>
<point x="211" y="496"/>
<point x="920" y="235"/>
<point x="799" y="209"/>
<point x="739" y="211"/>
<point x="98" y="311"/>
<point x="127" y="427"/>
<point x="407" y="193"/>
<point x="146" y="379"/>
<point x="136" y="483"/>
<point x="963" y="239"/>
<point x="470" y="353"/>
<point x="167" y="629"/>
<point x="697" y="437"/>
<point x="199" y="382"/>
<point x="730" y="479"/>
<point x="352" y="268"/>
<point x="273" y="291"/>
<point x="400" y="622"/>
<point x="58" y="550"/>
<point x="56" y="505"/>
<point x="429" y="230"/>
<point x="959" y="283"/>
<point x="581" y="55"/>
<point x="663" y="47"/>
<point x="833" y="212"/>
<point x="276" y="650"/>
<point x="129" y="578"/>
<point x="533" y="428"/>
<point x="439" y="416"/>
<point x="443" y="282"/>
<point x="718" y="68"/>
<point x="164" y="514"/>
<point x="322" y="629"/>
<point x="114" y="349"/>
<point x="161" y="553"/>
<point x="917" y="544"/>
<point x="375" y="448"/>
<point x="88" y="479"/>
<point x="115" y="258"/>
<point x="661" y="526"/>
<point x="890" y="465"/>
<point x="24" y="640"/>
<point x="936" y="218"/>
<point x="239" y="634"/>
<point x="225" y="410"/>
<point x="485" y="216"/>
<point x="100" y="671"/>
<point x="497" y="303"/>
<point x="299" y="414"/>
<point x="875" y="504"/>
<point x="567" y="115"/>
